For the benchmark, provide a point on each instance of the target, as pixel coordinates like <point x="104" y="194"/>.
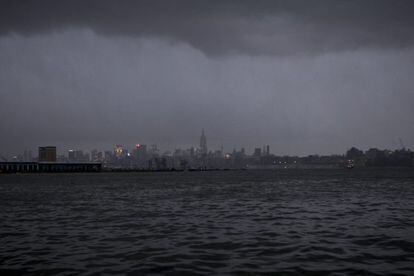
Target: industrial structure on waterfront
<point x="33" y="167"/>
<point x="47" y="163"/>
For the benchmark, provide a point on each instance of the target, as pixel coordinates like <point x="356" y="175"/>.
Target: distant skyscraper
<point x="140" y="151"/>
<point x="96" y="156"/>
<point x="77" y="156"/>
<point x="47" y="154"/>
<point x="257" y="152"/>
<point x="203" y="143"/>
<point x="71" y="155"/>
<point x="154" y="149"/>
<point x="27" y="156"/>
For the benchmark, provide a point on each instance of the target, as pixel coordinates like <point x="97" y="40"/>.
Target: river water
<point x="318" y="222"/>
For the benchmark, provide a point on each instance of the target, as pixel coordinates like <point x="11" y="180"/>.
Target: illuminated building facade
<point x="119" y="151"/>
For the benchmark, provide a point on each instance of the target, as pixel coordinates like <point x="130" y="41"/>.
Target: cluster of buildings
<point x="143" y="157"/>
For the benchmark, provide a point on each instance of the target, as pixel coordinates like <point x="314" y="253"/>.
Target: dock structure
<point x="45" y="167"/>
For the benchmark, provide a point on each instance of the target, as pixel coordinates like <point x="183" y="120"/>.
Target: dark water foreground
<point x="319" y="222"/>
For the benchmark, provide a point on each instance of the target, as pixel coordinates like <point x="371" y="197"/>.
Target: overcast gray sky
<point x="302" y="76"/>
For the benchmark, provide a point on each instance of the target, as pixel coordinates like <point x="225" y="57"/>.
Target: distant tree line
<point x="381" y="158"/>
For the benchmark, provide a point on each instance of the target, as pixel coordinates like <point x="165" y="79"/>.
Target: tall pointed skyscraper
<point x="203" y="143"/>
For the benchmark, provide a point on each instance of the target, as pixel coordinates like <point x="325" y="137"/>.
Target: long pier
<point x="40" y="167"/>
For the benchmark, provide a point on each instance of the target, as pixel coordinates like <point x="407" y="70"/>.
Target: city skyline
<point x="87" y="155"/>
<point x="201" y="146"/>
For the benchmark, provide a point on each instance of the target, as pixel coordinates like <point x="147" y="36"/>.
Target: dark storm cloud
<point x="221" y="27"/>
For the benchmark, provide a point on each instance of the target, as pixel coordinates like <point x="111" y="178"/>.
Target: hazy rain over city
<point x="301" y="76"/>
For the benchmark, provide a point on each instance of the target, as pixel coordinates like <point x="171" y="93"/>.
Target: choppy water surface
<point x="290" y="222"/>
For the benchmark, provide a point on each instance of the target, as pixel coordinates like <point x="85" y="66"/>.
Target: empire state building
<point x="203" y="143"/>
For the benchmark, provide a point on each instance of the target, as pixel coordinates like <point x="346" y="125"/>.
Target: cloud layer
<point x="261" y="27"/>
